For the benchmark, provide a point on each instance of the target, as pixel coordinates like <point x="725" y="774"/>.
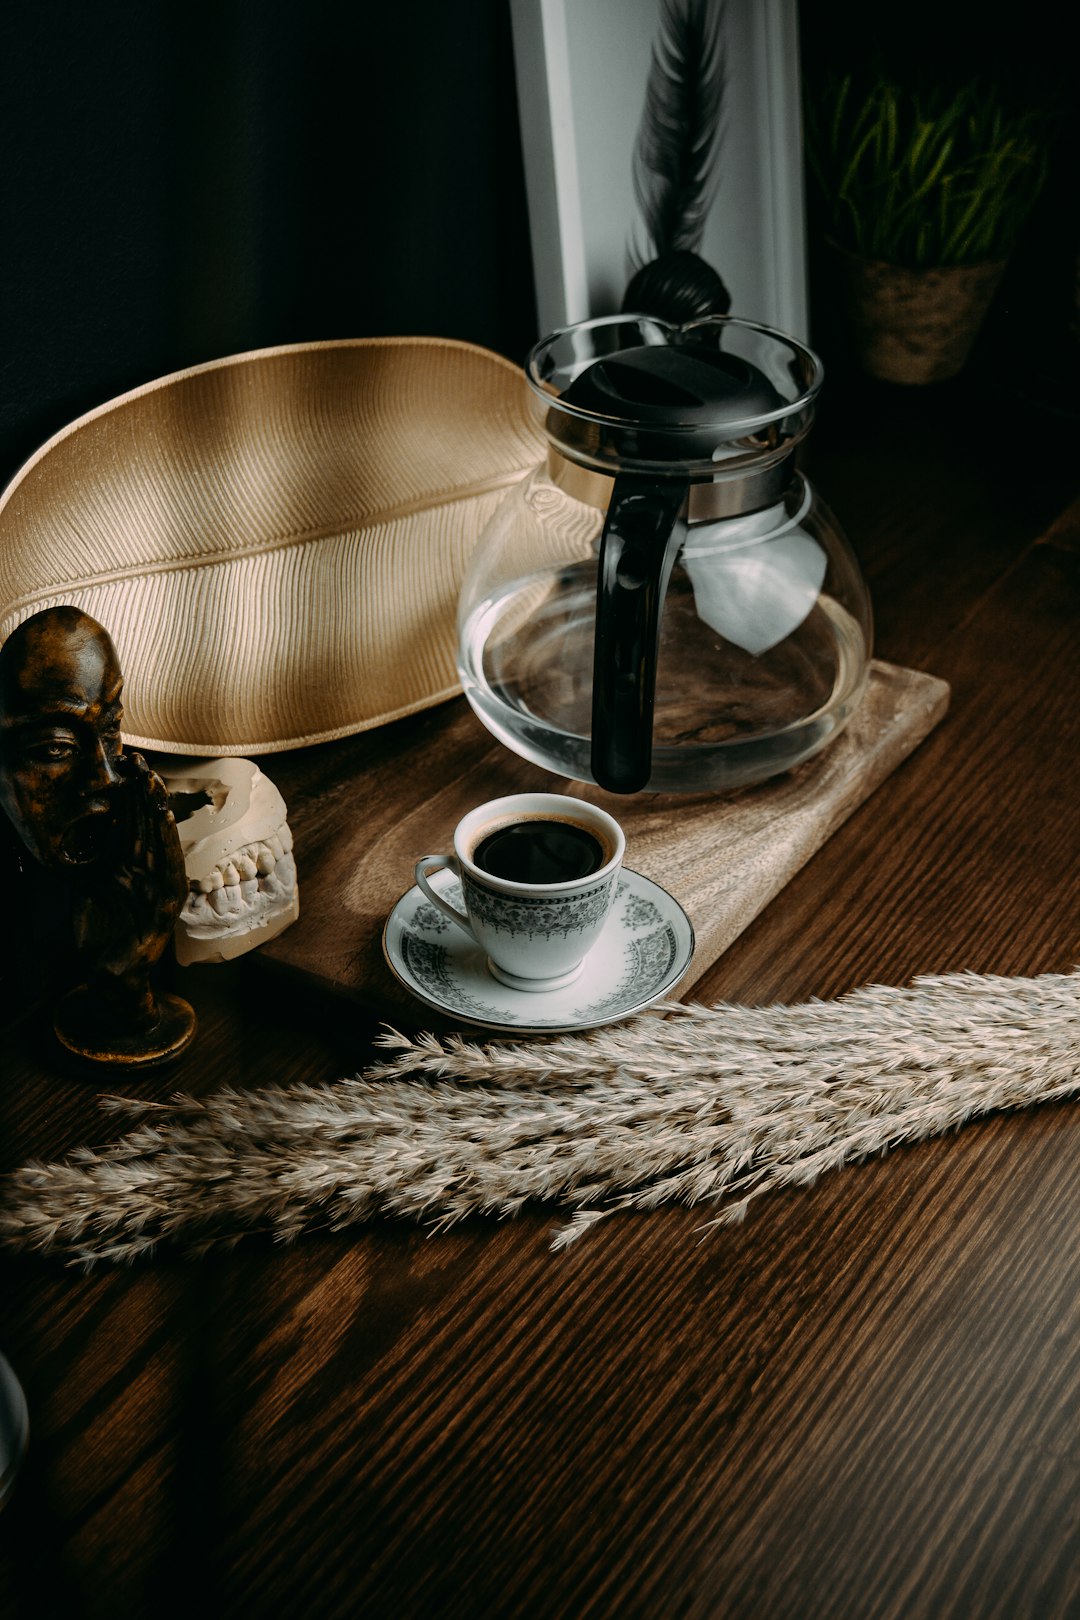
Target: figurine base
<point x="80" y="1028"/>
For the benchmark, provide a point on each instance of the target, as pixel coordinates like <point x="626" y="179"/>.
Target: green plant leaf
<point x="924" y="175"/>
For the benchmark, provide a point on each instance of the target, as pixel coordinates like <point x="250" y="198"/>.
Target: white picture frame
<point x="582" y="68"/>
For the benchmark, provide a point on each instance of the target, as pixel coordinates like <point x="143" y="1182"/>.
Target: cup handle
<point x="440" y="863"/>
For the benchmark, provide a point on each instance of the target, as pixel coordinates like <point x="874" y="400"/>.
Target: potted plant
<point x="923" y="193"/>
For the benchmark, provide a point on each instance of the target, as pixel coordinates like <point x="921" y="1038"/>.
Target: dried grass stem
<point x="706" y="1104"/>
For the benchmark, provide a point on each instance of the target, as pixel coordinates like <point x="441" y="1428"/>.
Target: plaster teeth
<point x="233" y="888"/>
<point x="238" y="853"/>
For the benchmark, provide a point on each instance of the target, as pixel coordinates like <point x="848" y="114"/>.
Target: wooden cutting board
<point x="723" y="858"/>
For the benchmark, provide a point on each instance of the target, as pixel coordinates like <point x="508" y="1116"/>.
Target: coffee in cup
<point x="538" y="874"/>
<point x="541" y="849"/>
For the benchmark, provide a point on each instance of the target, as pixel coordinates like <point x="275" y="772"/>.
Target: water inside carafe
<point x="725" y="716"/>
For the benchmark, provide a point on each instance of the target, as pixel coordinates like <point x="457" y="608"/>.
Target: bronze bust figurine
<point x="99" y="819"/>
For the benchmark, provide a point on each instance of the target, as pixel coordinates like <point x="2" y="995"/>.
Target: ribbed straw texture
<point x="276" y="541"/>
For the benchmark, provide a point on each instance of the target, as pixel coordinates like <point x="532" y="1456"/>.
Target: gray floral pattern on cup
<point x="546" y="915"/>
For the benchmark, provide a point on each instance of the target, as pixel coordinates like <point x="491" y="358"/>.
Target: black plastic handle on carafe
<point x="645" y="526"/>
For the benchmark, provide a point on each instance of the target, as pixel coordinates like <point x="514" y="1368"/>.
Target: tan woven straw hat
<point x="274" y="541"/>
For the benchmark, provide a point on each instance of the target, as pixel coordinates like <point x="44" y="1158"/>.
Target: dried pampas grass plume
<point x="707" y="1105"/>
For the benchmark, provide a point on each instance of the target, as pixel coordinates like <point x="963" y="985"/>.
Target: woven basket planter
<point x="916" y="326"/>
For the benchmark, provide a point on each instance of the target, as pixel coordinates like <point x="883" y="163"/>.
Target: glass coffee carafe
<point x="665" y="603"/>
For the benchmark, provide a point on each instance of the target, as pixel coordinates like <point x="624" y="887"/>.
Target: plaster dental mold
<point x="238" y="855"/>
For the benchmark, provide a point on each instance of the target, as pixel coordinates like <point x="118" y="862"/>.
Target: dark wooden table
<point x="864" y="1402"/>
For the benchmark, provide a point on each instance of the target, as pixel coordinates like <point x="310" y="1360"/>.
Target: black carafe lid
<point x="673" y="401"/>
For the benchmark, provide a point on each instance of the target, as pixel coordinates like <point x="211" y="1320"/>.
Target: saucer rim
<point x="573" y="1027"/>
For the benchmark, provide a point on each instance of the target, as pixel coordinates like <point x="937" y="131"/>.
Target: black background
<point x="1027" y="357"/>
<point x="181" y="180"/>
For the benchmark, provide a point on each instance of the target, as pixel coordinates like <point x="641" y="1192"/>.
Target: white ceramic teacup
<point x="536" y="931"/>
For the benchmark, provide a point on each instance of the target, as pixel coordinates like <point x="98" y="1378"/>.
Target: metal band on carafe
<point x="724" y="496"/>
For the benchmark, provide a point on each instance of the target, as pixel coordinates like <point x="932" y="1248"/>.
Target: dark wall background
<point x="181" y="180"/>
<point x="1029" y="348"/>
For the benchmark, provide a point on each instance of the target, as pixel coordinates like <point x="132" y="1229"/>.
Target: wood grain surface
<point x="723" y="859"/>
<point x="863" y="1403"/>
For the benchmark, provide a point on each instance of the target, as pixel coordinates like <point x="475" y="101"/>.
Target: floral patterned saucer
<point x="640" y="957"/>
